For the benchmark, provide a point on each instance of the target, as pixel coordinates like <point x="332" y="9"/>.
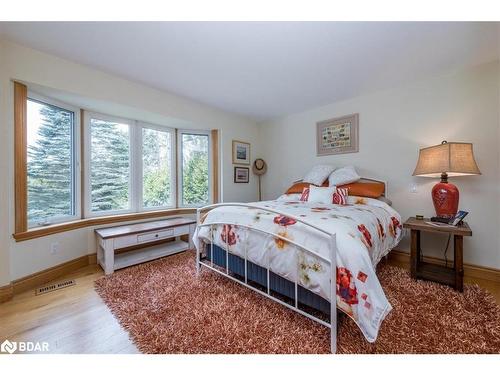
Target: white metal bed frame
<point x="332" y="262"/>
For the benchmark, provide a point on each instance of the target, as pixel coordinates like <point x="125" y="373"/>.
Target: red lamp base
<point x="445" y="197"/>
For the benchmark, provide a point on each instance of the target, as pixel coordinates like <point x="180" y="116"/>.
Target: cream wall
<point x="394" y="124"/>
<point x="25" y="64"/>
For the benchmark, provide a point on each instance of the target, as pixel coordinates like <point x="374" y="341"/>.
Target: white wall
<point x="394" y="124"/>
<point x="37" y="68"/>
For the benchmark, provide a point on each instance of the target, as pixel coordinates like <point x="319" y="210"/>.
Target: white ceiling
<point x="265" y="70"/>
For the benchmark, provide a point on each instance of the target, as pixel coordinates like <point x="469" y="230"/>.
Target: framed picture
<point x="337" y="135"/>
<point x="241" y="152"/>
<point x="241" y="175"/>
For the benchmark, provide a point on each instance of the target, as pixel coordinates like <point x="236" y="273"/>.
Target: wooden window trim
<point x="215" y="165"/>
<point x="82" y="161"/>
<point x="20" y="157"/>
<point x="176" y="135"/>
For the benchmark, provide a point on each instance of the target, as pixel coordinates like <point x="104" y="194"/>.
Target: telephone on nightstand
<point x="456" y="220"/>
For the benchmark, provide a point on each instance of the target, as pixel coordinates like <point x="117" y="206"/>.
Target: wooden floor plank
<point x="71" y="320"/>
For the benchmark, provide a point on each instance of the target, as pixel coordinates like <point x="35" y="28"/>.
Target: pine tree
<point x="195" y="172"/>
<point x="50" y="174"/>
<point x="110" y="166"/>
<point x="156" y="168"/>
<point x="50" y="166"/>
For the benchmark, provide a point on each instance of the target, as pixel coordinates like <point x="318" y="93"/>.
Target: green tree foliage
<point x="195" y="169"/>
<point x="50" y="165"/>
<point x="109" y="166"/>
<point x="156" y="153"/>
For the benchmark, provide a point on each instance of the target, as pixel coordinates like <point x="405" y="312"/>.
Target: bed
<point x="307" y="256"/>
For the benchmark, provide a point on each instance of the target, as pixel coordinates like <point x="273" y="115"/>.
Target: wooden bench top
<point x="125" y="230"/>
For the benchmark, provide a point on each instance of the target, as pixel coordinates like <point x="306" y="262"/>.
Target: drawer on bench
<point x="125" y="241"/>
<point x="154" y="236"/>
<point x="183" y="229"/>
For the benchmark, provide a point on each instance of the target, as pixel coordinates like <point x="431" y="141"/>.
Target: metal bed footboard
<point x="332" y="263"/>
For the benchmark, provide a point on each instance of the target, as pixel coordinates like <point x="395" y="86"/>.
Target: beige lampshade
<point x="453" y="158"/>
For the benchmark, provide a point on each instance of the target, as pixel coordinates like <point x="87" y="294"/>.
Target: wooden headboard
<point x="370" y="180"/>
<point x="384" y="195"/>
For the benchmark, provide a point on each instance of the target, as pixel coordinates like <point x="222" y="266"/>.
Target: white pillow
<point x="343" y="176"/>
<point x="289" y="198"/>
<point x="321" y="194"/>
<point x="318" y="174"/>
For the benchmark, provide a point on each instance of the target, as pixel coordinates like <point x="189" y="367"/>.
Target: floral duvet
<point x="366" y="230"/>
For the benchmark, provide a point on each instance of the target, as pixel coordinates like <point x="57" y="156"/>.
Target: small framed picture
<point x="241" y="175"/>
<point x="241" y="152"/>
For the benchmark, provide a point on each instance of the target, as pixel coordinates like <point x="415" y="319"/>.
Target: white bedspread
<point x="366" y="230"/>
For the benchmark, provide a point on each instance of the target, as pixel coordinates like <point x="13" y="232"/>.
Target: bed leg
<point x="333" y="294"/>
<point x="200" y="243"/>
<point x="198" y="258"/>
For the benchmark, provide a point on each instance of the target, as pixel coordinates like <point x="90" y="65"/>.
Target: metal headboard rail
<point x="332" y="262"/>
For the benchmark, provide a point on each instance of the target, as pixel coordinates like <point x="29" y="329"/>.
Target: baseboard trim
<point x="39" y="278"/>
<point x="31" y="281"/>
<point x="6" y="293"/>
<point x="92" y="258"/>
<point x="470" y="270"/>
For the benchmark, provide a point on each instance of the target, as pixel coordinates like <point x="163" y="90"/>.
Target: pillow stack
<point x="322" y="173"/>
<point x="325" y="195"/>
<point x="343" y="176"/>
<point x="319" y="175"/>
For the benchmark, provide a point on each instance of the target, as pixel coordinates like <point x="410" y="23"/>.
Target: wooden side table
<point x="453" y="277"/>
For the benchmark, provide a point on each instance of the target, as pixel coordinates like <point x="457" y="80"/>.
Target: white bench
<point x="147" y="241"/>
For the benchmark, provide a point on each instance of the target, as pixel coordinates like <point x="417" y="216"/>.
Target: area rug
<point x="167" y="309"/>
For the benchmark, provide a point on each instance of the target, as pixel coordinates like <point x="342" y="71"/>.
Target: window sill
<point x="83" y="223"/>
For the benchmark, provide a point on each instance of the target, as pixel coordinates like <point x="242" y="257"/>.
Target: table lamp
<point x="449" y="159"/>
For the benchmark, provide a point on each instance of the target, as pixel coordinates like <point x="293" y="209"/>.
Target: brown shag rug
<point x="167" y="309"/>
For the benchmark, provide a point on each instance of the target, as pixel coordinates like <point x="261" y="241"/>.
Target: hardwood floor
<point x="71" y="320"/>
<point x="75" y="320"/>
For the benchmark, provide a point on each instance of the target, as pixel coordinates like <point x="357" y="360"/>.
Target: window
<point x="194" y="167"/>
<point x="51" y="162"/>
<point x="132" y="166"/>
<point x="128" y="167"/>
<point x="158" y="174"/>
<point x="109" y="171"/>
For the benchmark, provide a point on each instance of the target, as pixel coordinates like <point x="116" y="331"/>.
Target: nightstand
<point x="453" y="277"/>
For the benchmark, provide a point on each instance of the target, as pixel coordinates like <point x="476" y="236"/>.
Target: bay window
<point x="132" y="166"/>
<point x="76" y="168"/>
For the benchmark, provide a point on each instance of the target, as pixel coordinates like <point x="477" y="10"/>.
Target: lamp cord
<point x="446" y="251"/>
